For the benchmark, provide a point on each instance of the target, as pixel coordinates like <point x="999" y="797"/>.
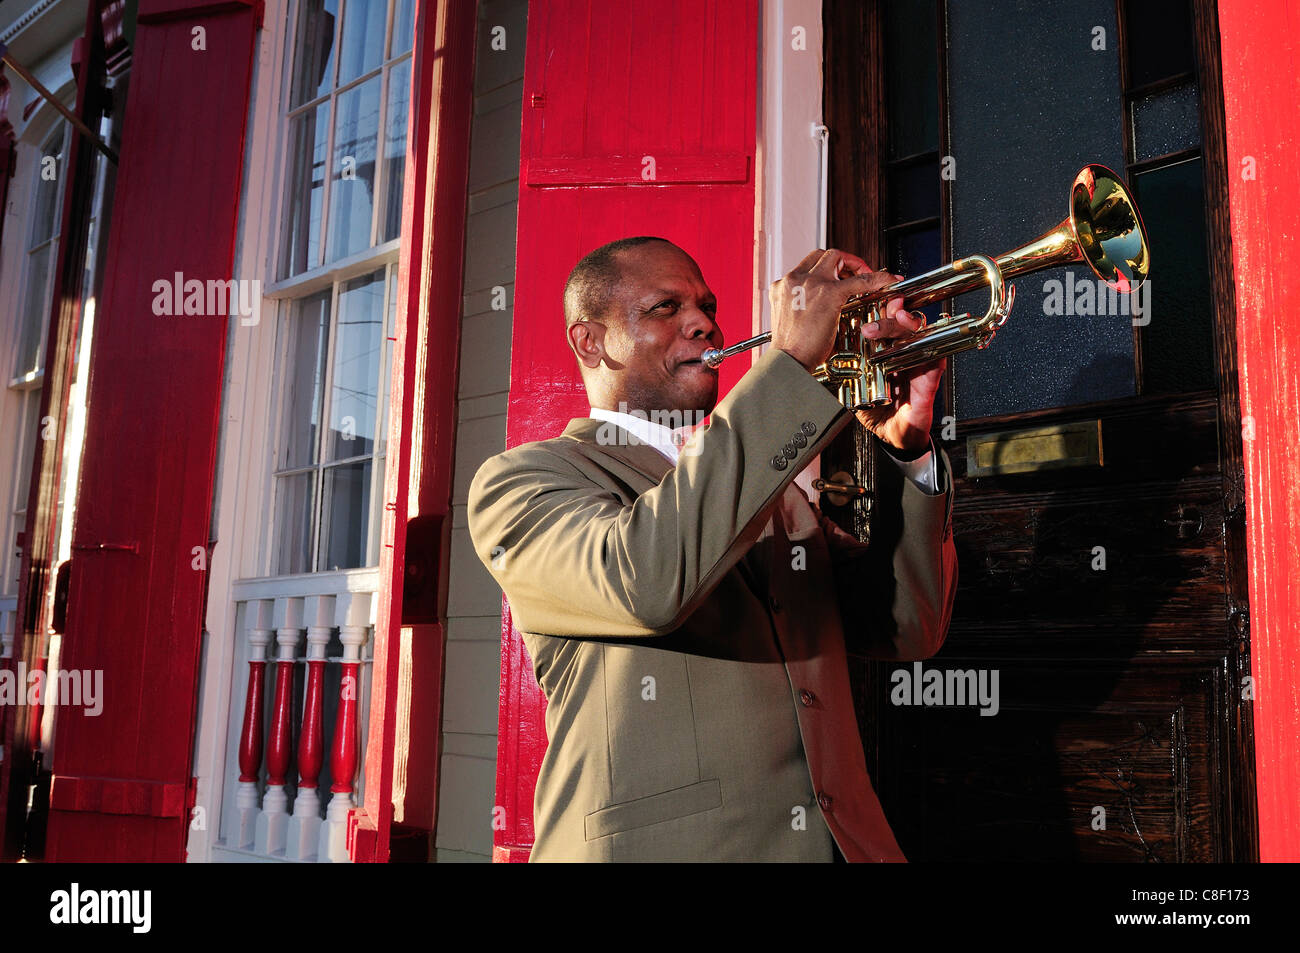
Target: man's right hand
<point x="806" y="303"/>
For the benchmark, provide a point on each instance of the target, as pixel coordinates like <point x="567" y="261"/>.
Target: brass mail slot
<point x="1075" y="444"/>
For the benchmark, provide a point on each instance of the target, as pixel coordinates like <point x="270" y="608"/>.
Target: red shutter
<point x="122" y="780"/>
<point x="610" y="88"/>
<point x="1263" y="167"/>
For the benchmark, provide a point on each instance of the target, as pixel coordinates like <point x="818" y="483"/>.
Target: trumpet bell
<point x="1109" y="229"/>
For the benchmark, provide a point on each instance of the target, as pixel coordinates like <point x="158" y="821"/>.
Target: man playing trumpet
<point x="688" y="611"/>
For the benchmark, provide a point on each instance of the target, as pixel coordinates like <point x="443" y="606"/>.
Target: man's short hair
<point x="592" y="281"/>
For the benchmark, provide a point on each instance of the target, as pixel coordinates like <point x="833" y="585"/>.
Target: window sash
<point x="389" y="64"/>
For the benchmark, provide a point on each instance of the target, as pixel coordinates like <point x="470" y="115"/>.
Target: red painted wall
<point x="121" y="780"/>
<point x="1261" y="86"/>
<point x="607" y="85"/>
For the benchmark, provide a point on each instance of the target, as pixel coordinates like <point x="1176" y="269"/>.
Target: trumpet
<point x="1103" y="229"/>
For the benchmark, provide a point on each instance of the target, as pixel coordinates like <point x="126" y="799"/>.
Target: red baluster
<point x="343" y="759"/>
<point x="277" y="755"/>
<point x="272" y="824"/>
<point x="250" y="738"/>
<point x="258" y="616"/>
<point x="304" y="829"/>
<point x="311" y="739"/>
<point x="354" y="621"/>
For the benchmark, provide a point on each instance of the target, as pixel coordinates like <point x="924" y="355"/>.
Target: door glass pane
<point x="354" y="388"/>
<point x="914" y="252"/>
<point x="1166" y="122"/>
<point x="345" y="516"/>
<point x="306" y="369"/>
<point x="913" y="191"/>
<point x="1020" y="134"/>
<point x="1158" y="38"/>
<point x="313" y="70"/>
<point x="1177" y="351"/>
<point x="306" y="194"/>
<point x="399" y="95"/>
<point x="911" y="42"/>
<point x="361" y="48"/>
<point x="352" y="176"/>
<point x="294" y="494"/>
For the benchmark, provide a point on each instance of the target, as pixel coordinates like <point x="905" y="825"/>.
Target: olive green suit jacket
<point x="689" y="627"/>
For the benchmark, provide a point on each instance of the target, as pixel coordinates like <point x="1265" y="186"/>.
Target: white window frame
<point x="334" y="275"/>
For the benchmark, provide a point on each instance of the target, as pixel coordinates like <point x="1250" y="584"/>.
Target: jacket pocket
<point x="654" y="808"/>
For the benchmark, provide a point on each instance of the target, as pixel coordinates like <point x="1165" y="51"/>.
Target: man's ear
<point x="587" y="342"/>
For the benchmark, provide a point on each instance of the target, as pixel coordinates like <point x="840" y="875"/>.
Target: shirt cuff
<point x="920" y="471"/>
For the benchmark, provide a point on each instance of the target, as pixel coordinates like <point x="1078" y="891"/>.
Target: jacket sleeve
<point x="896" y="591"/>
<point x="575" y="560"/>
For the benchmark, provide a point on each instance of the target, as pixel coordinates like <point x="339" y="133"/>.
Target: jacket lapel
<point x="622" y="445"/>
<point x="626" y="447"/>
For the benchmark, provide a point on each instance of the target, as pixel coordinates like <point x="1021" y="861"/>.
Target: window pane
<point x="403" y="27"/>
<point x="35" y="309"/>
<point x="309" y="140"/>
<point x="13" y="557"/>
<point x="354" y="389"/>
<point x="1158" y="40"/>
<point x="912" y="76"/>
<point x="306" y="371"/>
<point x="399" y="96"/>
<point x="387" y="370"/>
<point x="314" y="63"/>
<point x="361" y="48"/>
<point x="30" y="435"/>
<point x="345" y="516"/>
<point x="1177" y="351"/>
<point x="1166" y="122"/>
<point x="293" y="523"/>
<point x="49" y="186"/>
<point x="352" y="178"/>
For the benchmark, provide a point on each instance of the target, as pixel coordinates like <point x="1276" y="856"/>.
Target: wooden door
<point x="1104" y="586"/>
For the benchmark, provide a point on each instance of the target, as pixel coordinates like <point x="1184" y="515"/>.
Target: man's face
<point x="661" y="317"/>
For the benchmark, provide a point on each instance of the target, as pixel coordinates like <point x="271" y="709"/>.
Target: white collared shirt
<point x="920" y="471"/>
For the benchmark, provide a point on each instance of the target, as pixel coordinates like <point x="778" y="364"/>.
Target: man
<point x="687" y="610"/>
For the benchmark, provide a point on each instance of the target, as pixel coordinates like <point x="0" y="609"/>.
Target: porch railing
<point x="300" y="726"/>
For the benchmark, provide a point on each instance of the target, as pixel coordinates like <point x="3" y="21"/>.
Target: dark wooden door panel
<point x="1067" y="743"/>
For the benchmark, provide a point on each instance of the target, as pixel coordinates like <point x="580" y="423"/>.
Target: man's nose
<point x="697" y="323"/>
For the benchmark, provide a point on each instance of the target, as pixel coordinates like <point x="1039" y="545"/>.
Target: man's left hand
<point x="904" y="424"/>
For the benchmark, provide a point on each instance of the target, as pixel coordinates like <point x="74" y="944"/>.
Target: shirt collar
<point x="667" y="441"/>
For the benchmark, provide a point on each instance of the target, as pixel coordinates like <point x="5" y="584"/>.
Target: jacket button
<point x="806" y="697"/>
<point x="799" y="440"/>
<point x="824" y="800"/>
<point x="779" y="462"/>
<point x="789" y="451"/>
<point x="808" y="427"/>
